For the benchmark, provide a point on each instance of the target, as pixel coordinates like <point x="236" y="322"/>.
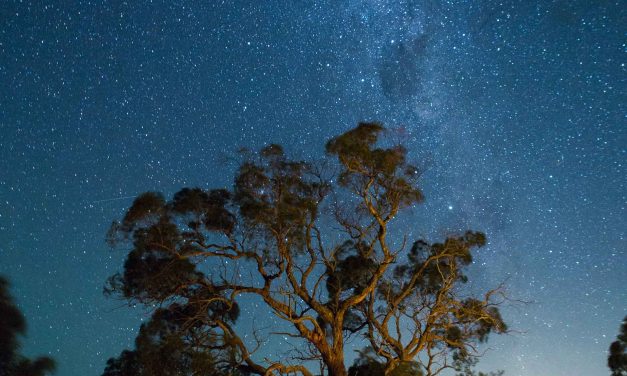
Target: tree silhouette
<point x="617" y="359"/>
<point x="369" y="364"/>
<point x="168" y="345"/>
<point x="12" y="325"/>
<point x="318" y="244"/>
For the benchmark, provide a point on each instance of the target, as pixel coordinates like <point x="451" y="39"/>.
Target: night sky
<point x="515" y="109"/>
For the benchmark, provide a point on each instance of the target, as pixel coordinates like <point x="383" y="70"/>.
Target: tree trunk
<point x="335" y="357"/>
<point x="336" y="369"/>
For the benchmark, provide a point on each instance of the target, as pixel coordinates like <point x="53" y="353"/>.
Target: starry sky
<point x="515" y="109"/>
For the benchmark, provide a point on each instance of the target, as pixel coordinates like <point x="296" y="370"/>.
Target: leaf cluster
<point x="13" y="325"/>
<point x="368" y="363"/>
<point x="176" y="341"/>
<point x="385" y="171"/>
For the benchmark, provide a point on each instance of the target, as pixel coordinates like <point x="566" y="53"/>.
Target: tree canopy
<point x="318" y="244"/>
<point x="617" y="359"/>
<point x="161" y="348"/>
<point x="12" y="326"/>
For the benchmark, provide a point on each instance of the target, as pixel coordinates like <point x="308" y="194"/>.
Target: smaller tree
<point x="12" y="325"/>
<point x="617" y="359"/>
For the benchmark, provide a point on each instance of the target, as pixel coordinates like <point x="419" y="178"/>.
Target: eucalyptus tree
<point x="320" y="245"/>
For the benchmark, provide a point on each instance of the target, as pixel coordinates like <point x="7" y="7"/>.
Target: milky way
<point x="513" y="109"/>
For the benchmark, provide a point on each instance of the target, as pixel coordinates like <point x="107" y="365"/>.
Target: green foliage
<point x="368" y="364"/>
<point x="13" y="325"/>
<point x="384" y="168"/>
<point x="153" y="271"/>
<point x="145" y="208"/>
<point x="449" y="257"/>
<point x="176" y="342"/>
<point x="205" y="208"/>
<point x="440" y="267"/>
<point x="278" y="196"/>
<point x="352" y="271"/>
<point x="617" y="359"/>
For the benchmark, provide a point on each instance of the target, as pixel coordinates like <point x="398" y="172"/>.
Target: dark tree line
<point x="12" y="326"/>
<point x="617" y="359"/>
<point x="319" y="244"/>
